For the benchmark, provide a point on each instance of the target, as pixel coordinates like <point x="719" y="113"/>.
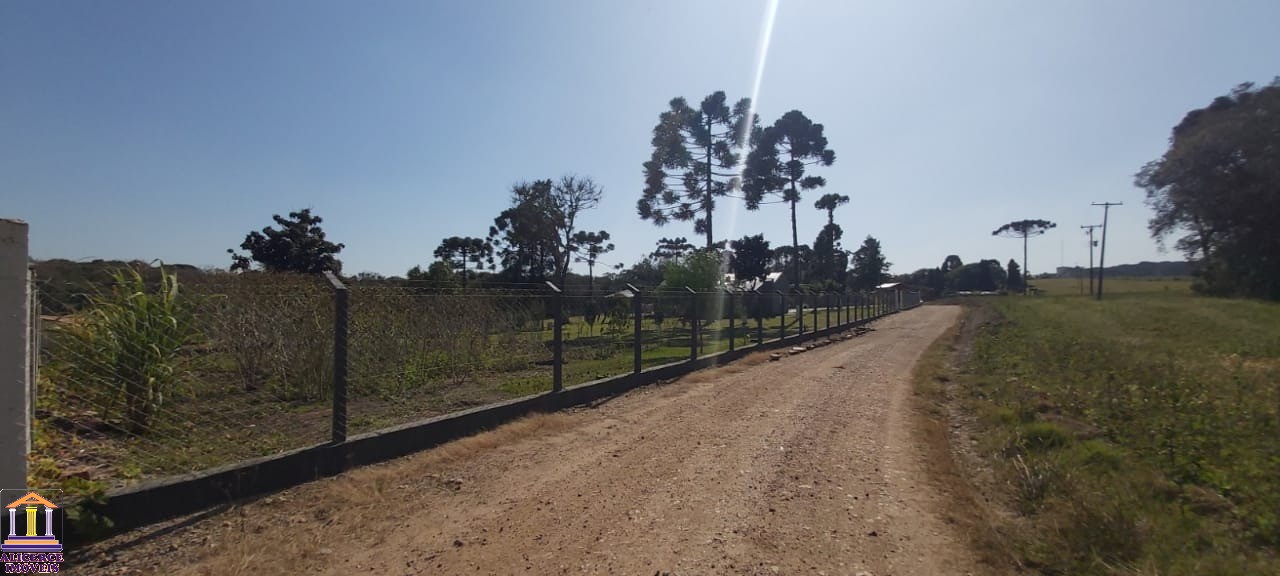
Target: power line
<point x="1102" y="258"/>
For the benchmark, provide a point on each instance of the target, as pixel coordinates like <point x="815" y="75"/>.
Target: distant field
<point x="1074" y="287"/>
<point x="1139" y="434"/>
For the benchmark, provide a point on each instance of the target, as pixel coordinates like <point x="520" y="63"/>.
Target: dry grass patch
<point x="714" y="372"/>
<point x="754" y="359"/>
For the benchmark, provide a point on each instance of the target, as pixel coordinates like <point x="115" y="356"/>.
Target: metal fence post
<point x="732" y="317"/>
<point x="782" y="316"/>
<point x="341" y="309"/>
<point x="759" y="316"/>
<point x="815" y="312"/>
<point x="637" y="344"/>
<point x="35" y="333"/>
<point x="800" y="309"/>
<point x="557" y="338"/>
<point x="693" y="324"/>
<point x="826" y="296"/>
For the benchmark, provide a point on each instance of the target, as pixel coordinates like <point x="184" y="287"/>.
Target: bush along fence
<point x="157" y="396"/>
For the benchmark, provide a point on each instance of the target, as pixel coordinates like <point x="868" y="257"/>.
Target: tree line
<point x="1217" y="189"/>
<point x="699" y="156"/>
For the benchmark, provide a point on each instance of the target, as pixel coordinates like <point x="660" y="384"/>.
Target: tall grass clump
<point x="122" y="357"/>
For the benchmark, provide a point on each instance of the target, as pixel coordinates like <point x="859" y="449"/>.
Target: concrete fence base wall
<point x="161" y="499"/>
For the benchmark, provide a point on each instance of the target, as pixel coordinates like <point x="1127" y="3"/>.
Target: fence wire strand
<point x="151" y="375"/>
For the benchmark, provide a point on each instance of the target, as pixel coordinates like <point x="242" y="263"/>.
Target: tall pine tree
<point x="777" y="167"/>
<point x="694" y="153"/>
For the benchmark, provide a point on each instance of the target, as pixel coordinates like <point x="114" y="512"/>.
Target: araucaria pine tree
<point x="694" y="153"/>
<point x="777" y="167"/>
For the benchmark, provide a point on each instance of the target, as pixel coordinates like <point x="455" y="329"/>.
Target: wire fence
<point x="150" y="377"/>
<point x="417" y="351"/>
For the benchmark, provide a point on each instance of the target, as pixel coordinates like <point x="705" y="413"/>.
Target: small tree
<point x="589" y="314"/>
<point x="1024" y="229"/>
<point x="299" y="245"/>
<point x="571" y="196"/>
<point x="750" y="259"/>
<point x="591" y="245"/>
<point x="459" y="251"/>
<point x="870" y="267"/>
<point x="784" y="257"/>
<point x="829" y="257"/>
<point x="534" y="236"/>
<point x="672" y="248"/>
<point x="951" y="263"/>
<point x="699" y="270"/>
<point x="1014" y="280"/>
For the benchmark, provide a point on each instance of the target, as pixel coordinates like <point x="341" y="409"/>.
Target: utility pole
<point x="1092" y="243"/>
<point x="1102" y="257"/>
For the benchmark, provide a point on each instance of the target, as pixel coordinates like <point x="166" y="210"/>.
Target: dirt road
<point x="809" y="465"/>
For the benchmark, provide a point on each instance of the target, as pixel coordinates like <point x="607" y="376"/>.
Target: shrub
<point x="123" y="355"/>
<point x="276" y="329"/>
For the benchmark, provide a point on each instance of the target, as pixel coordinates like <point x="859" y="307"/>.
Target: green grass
<point x="1139" y="434"/>
<point x="1120" y="285"/>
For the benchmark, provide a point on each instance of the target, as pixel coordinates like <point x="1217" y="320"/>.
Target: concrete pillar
<point x="15" y="359"/>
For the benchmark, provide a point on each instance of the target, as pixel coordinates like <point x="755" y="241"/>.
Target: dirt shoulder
<point x="813" y="464"/>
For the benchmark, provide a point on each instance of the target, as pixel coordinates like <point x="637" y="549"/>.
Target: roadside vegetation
<point x="1136" y="435"/>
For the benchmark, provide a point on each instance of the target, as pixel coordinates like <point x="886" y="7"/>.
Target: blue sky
<point x="170" y="129"/>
